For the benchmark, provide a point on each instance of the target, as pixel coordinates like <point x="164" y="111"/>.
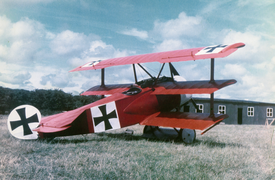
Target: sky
<point x="42" y="40"/>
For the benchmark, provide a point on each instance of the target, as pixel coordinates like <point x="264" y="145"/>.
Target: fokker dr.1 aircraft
<point x="154" y="102"/>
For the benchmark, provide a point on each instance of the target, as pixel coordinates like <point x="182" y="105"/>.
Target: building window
<point x="250" y="111"/>
<point x="269" y="112"/>
<point x="200" y="106"/>
<point x="222" y="109"/>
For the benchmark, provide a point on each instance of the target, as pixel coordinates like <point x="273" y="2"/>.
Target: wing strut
<point x="102" y="77"/>
<point x="173" y="71"/>
<point x="159" y="74"/>
<point x="145" y="71"/>
<point x="212" y="81"/>
<point x="135" y="74"/>
<point x="195" y="105"/>
<point x="102" y="80"/>
<point x="212" y="70"/>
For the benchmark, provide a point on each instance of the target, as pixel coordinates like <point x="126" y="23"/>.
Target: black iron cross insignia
<point x="24" y="121"/>
<point x="105" y="117"/>
<point x="94" y="63"/>
<point x="211" y="49"/>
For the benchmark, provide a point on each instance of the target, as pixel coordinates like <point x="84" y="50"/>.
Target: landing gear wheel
<point x="149" y="129"/>
<point x="188" y="136"/>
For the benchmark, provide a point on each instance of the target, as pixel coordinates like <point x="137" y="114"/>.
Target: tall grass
<point x="225" y="152"/>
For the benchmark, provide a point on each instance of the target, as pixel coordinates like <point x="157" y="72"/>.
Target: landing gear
<point x="188" y="136"/>
<point x="148" y="131"/>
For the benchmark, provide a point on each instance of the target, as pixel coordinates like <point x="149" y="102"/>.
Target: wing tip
<point x="233" y="46"/>
<point x="239" y="45"/>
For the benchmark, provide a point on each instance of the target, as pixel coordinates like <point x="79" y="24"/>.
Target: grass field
<point x="225" y="152"/>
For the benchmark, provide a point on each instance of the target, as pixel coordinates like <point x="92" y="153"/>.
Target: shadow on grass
<point x="101" y="137"/>
<point x="211" y="143"/>
<point x="104" y="137"/>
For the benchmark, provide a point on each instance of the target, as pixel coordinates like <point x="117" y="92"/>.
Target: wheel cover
<point x="188" y="135"/>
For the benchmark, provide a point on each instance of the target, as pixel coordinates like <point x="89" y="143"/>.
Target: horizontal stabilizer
<point x="46" y="129"/>
<point x="107" y="89"/>
<point x="183" y="120"/>
<point x="192" y="87"/>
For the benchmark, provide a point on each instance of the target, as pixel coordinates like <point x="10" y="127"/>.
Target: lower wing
<point x="199" y="121"/>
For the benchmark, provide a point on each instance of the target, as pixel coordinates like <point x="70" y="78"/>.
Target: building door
<point x="186" y="109"/>
<point x="240" y="115"/>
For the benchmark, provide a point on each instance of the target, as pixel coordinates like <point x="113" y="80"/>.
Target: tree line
<point x="47" y="101"/>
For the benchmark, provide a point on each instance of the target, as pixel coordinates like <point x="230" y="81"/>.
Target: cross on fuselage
<point x="105" y="117"/>
<point x="24" y="121"/>
<point x="211" y="49"/>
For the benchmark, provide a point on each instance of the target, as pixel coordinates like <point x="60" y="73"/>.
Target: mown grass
<point x="225" y="152"/>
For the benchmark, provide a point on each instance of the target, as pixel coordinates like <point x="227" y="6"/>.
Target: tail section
<point x="22" y="120"/>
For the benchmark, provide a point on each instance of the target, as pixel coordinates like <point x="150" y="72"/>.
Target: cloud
<point x="97" y="50"/>
<point x="21" y="41"/>
<point x="175" y="33"/>
<point x="60" y="80"/>
<point x="252" y="66"/>
<point x="169" y="45"/>
<point x="5" y="25"/>
<point x="233" y="70"/>
<point x="33" y="57"/>
<point x="212" y="7"/>
<point x="252" y="40"/>
<point x="182" y="26"/>
<point x="136" y="33"/>
<point x="170" y="34"/>
<point x="100" y="49"/>
<point x="68" y="42"/>
<point x="26" y="29"/>
<point x="78" y="48"/>
<point x="15" y="78"/>
<point x="255" y="3"/>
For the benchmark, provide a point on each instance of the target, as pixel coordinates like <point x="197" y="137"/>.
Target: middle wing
<point x="192" y="87"/>
<point x="185" y="87"/>
<point x="107" y="89"/>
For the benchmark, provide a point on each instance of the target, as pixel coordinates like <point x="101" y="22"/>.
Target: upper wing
<point x="217" y="51"/>
<point x="200" y="121"/>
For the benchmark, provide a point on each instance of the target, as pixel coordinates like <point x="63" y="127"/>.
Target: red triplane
<point x="153" y="102"/>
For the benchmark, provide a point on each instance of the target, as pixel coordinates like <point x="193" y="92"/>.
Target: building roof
<point x="235" y="101"/>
